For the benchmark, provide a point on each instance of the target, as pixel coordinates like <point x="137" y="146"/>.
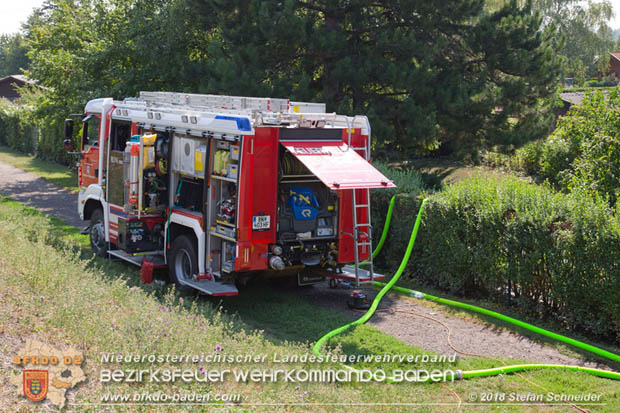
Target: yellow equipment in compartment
<point x="220" y="163"/>
<point x="200" y="158"/>
<point x="148" y="155"/>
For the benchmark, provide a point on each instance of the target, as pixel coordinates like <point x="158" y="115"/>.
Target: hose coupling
<point x="416" y="294"/>
<point x="276" y="263"/>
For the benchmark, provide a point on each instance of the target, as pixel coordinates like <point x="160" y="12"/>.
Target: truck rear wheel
<point x="182" y="262"/>
<point x="97" y="233"/>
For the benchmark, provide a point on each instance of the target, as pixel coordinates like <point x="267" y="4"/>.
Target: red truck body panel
<point x="258" y="191"/>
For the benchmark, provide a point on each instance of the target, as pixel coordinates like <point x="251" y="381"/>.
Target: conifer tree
<point x="428" y="73"/>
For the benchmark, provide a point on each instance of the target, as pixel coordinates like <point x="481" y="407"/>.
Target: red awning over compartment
<point x="337" y="165"/>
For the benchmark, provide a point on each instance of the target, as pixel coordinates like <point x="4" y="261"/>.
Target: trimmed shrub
<point x="528" y="157"/>
<point x="601" y="83"/>
<point x="525" y="159"/>
<point x="551" y="255"/>
<point x="409" y="185"/>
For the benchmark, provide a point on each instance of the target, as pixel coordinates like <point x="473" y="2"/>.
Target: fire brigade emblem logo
<point x="35" y="384"/>
<point x="48" y="373"/>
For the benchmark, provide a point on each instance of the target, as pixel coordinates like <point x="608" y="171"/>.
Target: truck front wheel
<point x="97" y="233"/>
<point x="182" y="262"/>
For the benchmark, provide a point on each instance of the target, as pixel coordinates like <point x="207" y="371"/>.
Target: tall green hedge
<point x="16" y="131"/>
<point x="33" y="129"/>
<point x="551" y="255"/>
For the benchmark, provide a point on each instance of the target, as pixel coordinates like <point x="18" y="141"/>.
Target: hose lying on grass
<point x="473" y="373"/>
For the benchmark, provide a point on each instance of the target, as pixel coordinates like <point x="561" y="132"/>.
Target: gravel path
<point x="468" y="336"/>
<point x="33" y="191"/>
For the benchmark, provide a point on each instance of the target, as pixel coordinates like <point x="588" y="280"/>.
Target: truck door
<point x="341" y="169"/>
<point x="89" y="164"/>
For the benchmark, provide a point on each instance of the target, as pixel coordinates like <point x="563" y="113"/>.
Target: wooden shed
<point x="9" y="86"/>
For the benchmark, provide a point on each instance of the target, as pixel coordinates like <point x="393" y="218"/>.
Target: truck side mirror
<point x="68" y="142"/>
<point x="68" y="128"/>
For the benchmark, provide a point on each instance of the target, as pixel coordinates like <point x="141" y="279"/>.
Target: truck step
<point x="348" y="274"/>
<point x="214" y="288"/>
<point x="155" y="256"/>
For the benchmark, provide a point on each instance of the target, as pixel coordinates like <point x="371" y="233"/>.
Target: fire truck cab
<point x="220" y="188"/>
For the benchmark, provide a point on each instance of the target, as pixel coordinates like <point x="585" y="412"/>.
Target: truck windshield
<point x="90" y="133"/>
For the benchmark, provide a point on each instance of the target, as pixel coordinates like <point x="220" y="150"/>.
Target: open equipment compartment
<point x="224" y="167"/>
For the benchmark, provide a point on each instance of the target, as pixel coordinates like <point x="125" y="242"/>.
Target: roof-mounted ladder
<point x="225" y="102"/>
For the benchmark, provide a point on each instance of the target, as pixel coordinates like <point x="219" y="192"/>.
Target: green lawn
<point x="57" y="174"/>
<point x="437" y="171"/>
<point x="57" y="291"/>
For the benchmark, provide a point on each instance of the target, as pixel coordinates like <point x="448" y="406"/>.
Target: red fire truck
<point x="218" y="189"/>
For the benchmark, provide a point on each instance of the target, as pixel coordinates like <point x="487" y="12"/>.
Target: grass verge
<point x="56" y="291"/>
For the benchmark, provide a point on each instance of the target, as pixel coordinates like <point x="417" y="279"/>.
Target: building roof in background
<point x="574" y="98"/>
<point x="20" y="78"/>
<point x="9" y="86"/>
<point x="615" y="54"/>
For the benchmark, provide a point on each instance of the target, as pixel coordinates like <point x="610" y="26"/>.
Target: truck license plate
<point x="261" y="222"/>
<point x="309" y="279"/>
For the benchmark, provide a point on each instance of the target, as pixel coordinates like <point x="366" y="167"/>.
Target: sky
<point x="14" y="12"/>
<point x="615" y="23"/>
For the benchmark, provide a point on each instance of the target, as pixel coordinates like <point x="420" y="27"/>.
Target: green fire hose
<point x="474" y="373"/>
<point x="384" y="290"/>
<point x="519" y="323"/>
<point x="386" y="226"/>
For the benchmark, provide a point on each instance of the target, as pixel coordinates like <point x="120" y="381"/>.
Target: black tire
<point x="97" y="233"/>
<point x="182" y="262"/>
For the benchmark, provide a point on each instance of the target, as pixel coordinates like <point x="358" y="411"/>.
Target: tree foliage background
<point x="12" y="54"/>
<point x="584" y="34"/>
<point x="453" y="75"/>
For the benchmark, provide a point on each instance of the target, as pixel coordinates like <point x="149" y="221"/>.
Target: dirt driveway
<point x="471" y="336"/>
<point x="33" y="191"/>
